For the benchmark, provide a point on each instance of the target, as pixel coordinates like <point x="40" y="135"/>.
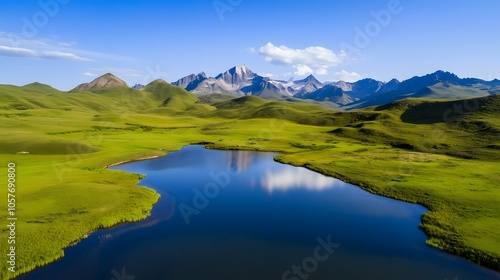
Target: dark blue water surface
<point x="240" y="215"/>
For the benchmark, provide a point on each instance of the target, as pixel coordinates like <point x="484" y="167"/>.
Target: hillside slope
<point x="444" y="155"/>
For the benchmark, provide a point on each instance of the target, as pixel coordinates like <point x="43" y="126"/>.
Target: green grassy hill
<point x="441" y="154"/>
<point x="441" y="90"/>
<point x="449" y="91"/>
<point x="466" y="128"/>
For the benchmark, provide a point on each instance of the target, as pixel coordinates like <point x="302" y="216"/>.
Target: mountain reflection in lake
<point x="288" y="179"/>
<point x="254" y="218"/>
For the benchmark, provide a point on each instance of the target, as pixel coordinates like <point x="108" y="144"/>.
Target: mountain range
<point x="241" y="81"/>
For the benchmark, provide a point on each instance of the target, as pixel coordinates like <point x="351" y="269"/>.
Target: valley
<point x="421" y="142"/>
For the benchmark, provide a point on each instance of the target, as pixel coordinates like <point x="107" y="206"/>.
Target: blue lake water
<point x="240" y="215"/>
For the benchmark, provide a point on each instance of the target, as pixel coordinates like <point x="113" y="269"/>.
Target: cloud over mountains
<point x="306" y="61"/>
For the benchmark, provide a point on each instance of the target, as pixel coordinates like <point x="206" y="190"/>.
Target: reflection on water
<point x="238" y="161"/>
<point x="243" y="232"/>
<point x="283" y="180"/>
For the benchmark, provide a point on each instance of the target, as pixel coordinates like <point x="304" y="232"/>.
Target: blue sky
<point x="67" y="42"/>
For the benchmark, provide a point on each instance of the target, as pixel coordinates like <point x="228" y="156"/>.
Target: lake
<point x="241" y="215"/>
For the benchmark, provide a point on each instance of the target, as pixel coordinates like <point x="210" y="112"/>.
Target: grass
<point x="405" y="150"/>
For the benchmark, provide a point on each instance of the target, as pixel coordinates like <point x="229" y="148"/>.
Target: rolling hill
<point x="441" y="153"/>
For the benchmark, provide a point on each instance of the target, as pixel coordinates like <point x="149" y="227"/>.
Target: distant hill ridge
<point x="241" y="81"/>
<point x="105" y="81"/>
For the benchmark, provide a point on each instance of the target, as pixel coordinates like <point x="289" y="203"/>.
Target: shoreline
<point x="85" y="236"/>
<point x="129" y="161"/>
<point x="459" y="250"/>
<point x="75" y="242"/>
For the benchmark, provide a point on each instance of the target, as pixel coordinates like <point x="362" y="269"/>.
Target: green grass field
<point x="422" y="151"/>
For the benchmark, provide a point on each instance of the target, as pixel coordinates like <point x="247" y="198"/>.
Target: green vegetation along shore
<point x="440" y="154"/>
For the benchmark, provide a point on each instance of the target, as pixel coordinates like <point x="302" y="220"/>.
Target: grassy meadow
<point x="444" y="155"/>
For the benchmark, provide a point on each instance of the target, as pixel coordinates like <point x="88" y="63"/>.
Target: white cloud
<point x="322" y="71"/>
<point x="33" y="53"/>
<point x="310" y="60"/>
<point x="63" y="55"/>
<point x="15" y="40"/>
<point x="286" y="75"/>
<point x="347" y="76"/>
<point x="303" y="70"/>
<point x="315" y="55"/>
<point x="17" y="52"/>
<point x="15" y="45"/>
<point x="88" y="74"/>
